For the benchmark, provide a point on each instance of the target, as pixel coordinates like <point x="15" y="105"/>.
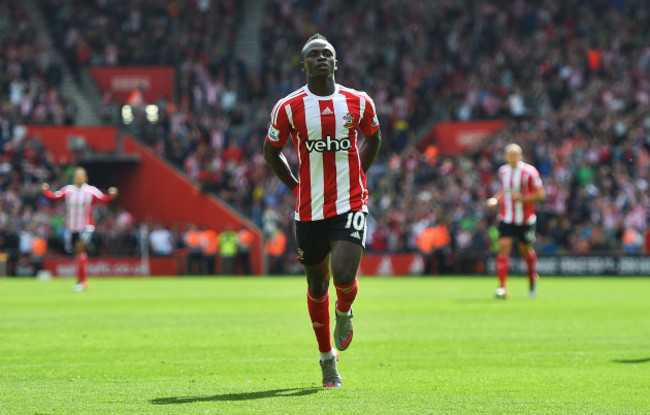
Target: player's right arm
<point x="276" y="139"/>
<point x="494" y="200"/>
<point x="45" y="188"/>
<point x="279" y="164"/>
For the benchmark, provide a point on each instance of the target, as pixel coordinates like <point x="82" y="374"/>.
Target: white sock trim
<point x="341" y="313"/>
<point x="327" y="355"/>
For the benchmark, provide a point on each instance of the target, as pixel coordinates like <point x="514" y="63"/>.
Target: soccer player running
<point x="521" y="187"/>
<point x="323" y="120"/>
<point x="79" y="198"/>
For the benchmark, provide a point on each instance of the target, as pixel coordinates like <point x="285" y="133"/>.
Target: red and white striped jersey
<point x="78" y="204"/>
<point x="324" y="132"/>
<point x="523" y="179"/>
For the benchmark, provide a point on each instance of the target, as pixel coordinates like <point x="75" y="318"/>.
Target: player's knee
<point x="318" y="288"/>
<point x="343" y="274"/>
<point x="505" y="247"/>
<point x="526" y="251"/>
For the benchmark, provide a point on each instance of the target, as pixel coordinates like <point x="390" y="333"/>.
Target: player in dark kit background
<point x="324" y="120"/>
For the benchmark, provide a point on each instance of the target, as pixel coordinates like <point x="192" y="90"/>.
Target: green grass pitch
<point x="245" y="346"/>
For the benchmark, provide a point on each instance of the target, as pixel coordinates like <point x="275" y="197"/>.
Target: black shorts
<point x="313" y="238"/>
<point x="521" y="233"/>
<point x="83" y="236"/>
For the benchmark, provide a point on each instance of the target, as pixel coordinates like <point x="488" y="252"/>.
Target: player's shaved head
<point x="513" y="154"/>
<point x="514" y="148"/>
<point x="317" y="38"/>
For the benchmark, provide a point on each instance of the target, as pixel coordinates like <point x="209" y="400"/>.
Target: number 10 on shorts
<point x="356" y="220"/>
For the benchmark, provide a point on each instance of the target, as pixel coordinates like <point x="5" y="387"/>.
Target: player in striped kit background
<point x="521" y="187"/>
<point x="324" y="120"/>
<point x="79" y="198"/>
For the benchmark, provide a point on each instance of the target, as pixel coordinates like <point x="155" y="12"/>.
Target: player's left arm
<point x="369" y="128"/>
<point x="369" y="149"/>
<point x="534" y="196"/>
<point x="105" y="197"/>
<point x="536" y="193"/>
<point x="113" y="192"/>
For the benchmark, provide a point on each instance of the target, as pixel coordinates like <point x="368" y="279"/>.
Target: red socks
<point x="320" y="319"/>
<point x="82" y="261"/>
<point x="345" y="294"/>
<point x="531" y="262"/>
<point x="320" y="314"/>
<point x="503" y="263"/>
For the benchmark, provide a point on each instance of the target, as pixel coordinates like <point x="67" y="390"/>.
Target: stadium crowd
<point x="30" y="76"/>
<point x="32" y="225"/>
<point x="572" y="78"/>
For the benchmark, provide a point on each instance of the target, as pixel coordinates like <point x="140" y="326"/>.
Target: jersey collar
<point x="310" y="94"/>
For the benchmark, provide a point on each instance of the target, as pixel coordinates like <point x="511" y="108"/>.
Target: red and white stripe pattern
<point x="324" y="131"/>
<point x="523" y="179"/>
<point x="78" y="204"/>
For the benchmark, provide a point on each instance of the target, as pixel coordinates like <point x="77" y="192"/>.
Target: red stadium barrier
<point x="114" y="267"/>
<point x="153" y="189"/>
<point x="459" y="137"/>
<point x="391" y="265"/>
<point x="156" y="82"/>
<point x="371" y="265"/>
<point x="56" y="139"/>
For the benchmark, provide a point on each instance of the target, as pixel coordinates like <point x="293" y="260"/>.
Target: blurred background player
<point x="210" y="248"/>
<point x="245" y="239"/>
<point x="521" y="187"/>
<point x="275" y="248"/>
<point x="228" y="249"/>
<point x="79" y="198"/>
<point x="323" y="119"/>
<point x="193" y="241"/>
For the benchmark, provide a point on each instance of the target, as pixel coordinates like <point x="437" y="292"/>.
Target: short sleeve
<point x="97" y="194"/>
<point x="369" y="123"/>
<point x="535" y="181"/>
<point x="279" y="127"/>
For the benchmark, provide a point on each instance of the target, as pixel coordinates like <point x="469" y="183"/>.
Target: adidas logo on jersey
<point x="355" y="234"/>
<point x="327" y="111"/>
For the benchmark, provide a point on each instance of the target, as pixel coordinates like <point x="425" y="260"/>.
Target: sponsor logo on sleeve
<point x="273" y="133"/>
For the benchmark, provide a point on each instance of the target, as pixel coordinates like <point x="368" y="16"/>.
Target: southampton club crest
<point x="349" y="121"/>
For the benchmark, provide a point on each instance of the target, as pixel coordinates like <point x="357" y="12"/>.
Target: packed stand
<point x="33" y="227"/>
<point x="572" y="77"/>
<point x="27" y="218"/>
<point x="30" y="76"/>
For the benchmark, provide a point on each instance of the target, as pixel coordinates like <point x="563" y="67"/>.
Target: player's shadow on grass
<point x="244" y="396"/>
<point x="645" y="360"/>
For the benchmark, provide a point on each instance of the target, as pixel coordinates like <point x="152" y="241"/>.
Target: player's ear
<point x="336" y="64"/>
<point x="302" y="66"/>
